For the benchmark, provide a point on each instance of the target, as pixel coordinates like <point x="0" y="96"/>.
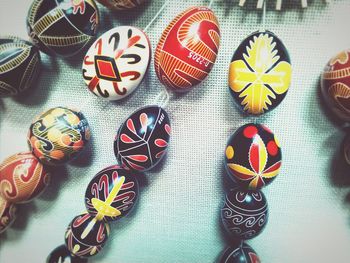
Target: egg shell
<point x="58" y="135"/>
<point x="260" y="73"/>
<point x="143" y="139"/>
<point x="7" y="214"/>
<point x="100" y="187"/>
<point x="117" y="62"/>
<point x="85" y="236"/>
<point x="19" y="66"/>
<point x="241" y="253"/>
<point x="253" y="156"/>
<point x="335" y="85"/>
<point x="121" y="4"/>
<point x="187" y="49"/>
<point x="244" y="213"/>
<point x="22" y="178"/>
<point x="62" y="27"/>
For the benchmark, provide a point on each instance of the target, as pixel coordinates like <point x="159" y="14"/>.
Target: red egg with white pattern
<point x="187" y="49"/>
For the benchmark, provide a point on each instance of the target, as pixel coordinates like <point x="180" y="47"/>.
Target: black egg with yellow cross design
<point x="112" y="193"/>
<point x="260" y="73"/>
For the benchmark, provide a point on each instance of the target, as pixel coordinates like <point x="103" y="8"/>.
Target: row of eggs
<point x="60" y="134"/>
<point x="116" y="63"/>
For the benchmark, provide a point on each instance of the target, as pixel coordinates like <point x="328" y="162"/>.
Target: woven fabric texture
<point x="177" y="216"/>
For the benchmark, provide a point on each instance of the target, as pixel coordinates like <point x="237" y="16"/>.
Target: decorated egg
<point x="19" y="65"/>
<point x="112" y="193"/>
<point x="7" y="214"/>
<point x="335" y="85"/>
<point x="86" y="236"/>
<point x="143" y="138"/>
<point x="58" y="135"/>
<point x="62" y="27"/>
<point x="187" y="49"/>
<point x="260" y="73"/>
<point x="242" y="253"/>
<point x="116" y="63"/>
<point x="62" y="255"/>
<point x="22" y="178"/>
<point x="253" y="156"/>
<point x="245" y="213"/>
<point x="121" y="4"/>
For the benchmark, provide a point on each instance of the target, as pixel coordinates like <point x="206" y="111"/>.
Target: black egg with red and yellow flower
<point x="253" y="156"/>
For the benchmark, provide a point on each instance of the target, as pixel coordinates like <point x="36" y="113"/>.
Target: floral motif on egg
<point x="143" y="139"/>
<point x="260" y="73"/>
<point x="253" y="156"/>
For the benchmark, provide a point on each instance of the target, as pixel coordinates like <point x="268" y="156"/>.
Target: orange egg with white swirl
<point x="22" y="178"/>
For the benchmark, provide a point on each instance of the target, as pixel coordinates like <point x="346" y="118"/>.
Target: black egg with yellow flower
<point x="253" y="156"/>
<point x="260" y="73"/>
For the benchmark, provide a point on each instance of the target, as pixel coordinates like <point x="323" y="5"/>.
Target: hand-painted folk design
<point x="58" y="135"/>
<point x="19" y="66"/>
<point x="62" y="27"/>
<point x="22" y="177"/>
<point x="112" y="193"/>
<point x="7" y="214"/>
<point x="335" y="85"/>
<point x="116" y="63"/>
<point x="143" y="138"/>
<point x="253" y="156"/>
<point x="62" y="255"/>
<point x="260" y="73"/>
<point x="242" y="253"/>
<point x="245" y="213"/>
<point x="86" y="236"/>
<point x="187" y="49"/>
<point x="121" y="4"/>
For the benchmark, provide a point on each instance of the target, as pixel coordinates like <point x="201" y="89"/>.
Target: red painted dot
<point x="250" y="132"/>
<point x="272" y="148"/>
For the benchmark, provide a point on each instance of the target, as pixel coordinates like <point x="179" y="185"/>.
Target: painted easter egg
<point x="86" y="236"/>
<point x="335" y="85"/>
<point x="117" y="62"/>
<point x="242" y="253"/>
<point x="121" y="4"/>
<point x="58" y="135"/>
<point x="143" y="138"/>
<point x="62" y="255"/>
<point x="260" y="73"/>
<point x="22" y="178"/>
<point x="187" y="49"/>
<point x="7" y="214"/>
<point x="244" y="213"/>
<point x="112" y="193"/>
<point x="253" y="156"/>
<point x="62" y="27"/>
<point x="19" y="65"/>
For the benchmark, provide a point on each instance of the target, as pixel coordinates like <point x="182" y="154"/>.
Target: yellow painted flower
<point x="260" y="76"/>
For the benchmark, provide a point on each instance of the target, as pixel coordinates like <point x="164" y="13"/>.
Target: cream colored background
<point x="177" y="217"/>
